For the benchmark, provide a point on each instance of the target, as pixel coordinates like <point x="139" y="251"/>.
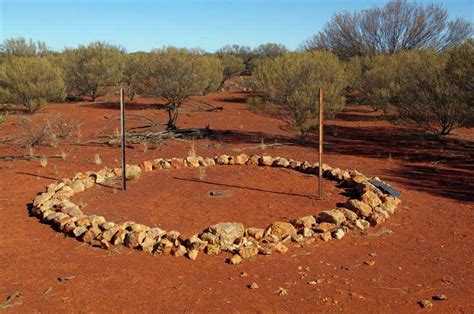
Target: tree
<point x="88" y="69"/>
<point x="30" y="81"/>
<point x="245" y="53"/>
<point x="231" y="66"/>
<point x="134" y="63"/>
<point x="292" y="81"/>
<point x="373" y="79"/>
<point x="398" y="25"/>
<point x="20" y="47"/>
<point x="270" y="50"/>
<point x="177" y="74"/>
<point x="435" y="90"/>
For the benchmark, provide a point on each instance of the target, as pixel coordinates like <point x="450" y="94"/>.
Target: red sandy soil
<point x="423" y="250"/>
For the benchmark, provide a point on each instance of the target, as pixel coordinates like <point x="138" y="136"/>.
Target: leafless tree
<point x="396" y="26"/>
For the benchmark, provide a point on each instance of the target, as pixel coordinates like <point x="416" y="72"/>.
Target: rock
<point x="371" y="199"/>
<point x="78" y="231"/>
<point x="281" y="291"/>
<point x="439" y="297"/>
<point x="165" y="164"/>
<point x="425" y="303"/>
<point x="110" y="233"/>
<point x="339" y="234"/>
<point x="84" y="222"/>
<point x="369" y="263"/>
<point x="265" y="161"/>
<point x="389" y="207"/>
<point x="217" y="193"/>
<point x="294" y="164"/>
<point x="148" y="244"/>
<point x="332" y="216"/>
<point x="280" y="248"/>
<point x="253" y="286"/>
<point x="256" y="233"/>
<point x="192" y="254"/>
<point x="253" y="160"/>
<point x="194" y="242"/>
<point x="376" y="219"/>
<point x="133" y="172"/>
<point x="264" y="250"/>
<point x="241" y="159"/>
<point x="222" y="160"/>
<point x="325" y="227"/>
<point x="192" y="162"/>
<point x="280" y="230"/>
<point x="165" y="246"/>
<point x="361" y="224"/>
<point x="349" y="214"/>
<point x="176" y="163"/>
<point x="235" y="260"/>
<point x="248" y="251"/>
<point x="147" y="166"/>
<point x="382" y="212"/>
<point x="325" y="236"/>
<point x="281" y="162"/>
<point x="307" y="232"/>
<point x="243" y="274"/>
<point x="138" y="227"/>
<point x="305" y="222"/>
<point x="212" y="249"/>
<point x="96" y="220"/>
<point x="227" y="232"/>
<point x="134" y="238"/>
<point x="209" y="161"/>
<point x="90" y="234"/>
<point x="65" y="193"/>
<point x="78" y="186"/>
<point x="358" y="207"/>
<point x="119" y="237"/>
<point x="178" y="251"/>
<point x="72" y="211"/>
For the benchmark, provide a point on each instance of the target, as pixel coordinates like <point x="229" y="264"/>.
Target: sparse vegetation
<point x="177" y="74"/>
<point x="89" y="69"/>
<point x="292" y="82"/>
<point x="31" y="82"/>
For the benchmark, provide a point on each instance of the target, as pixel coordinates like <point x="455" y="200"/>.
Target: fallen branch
<point x="28" y="157"/>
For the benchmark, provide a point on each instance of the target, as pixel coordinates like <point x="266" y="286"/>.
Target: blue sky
<point x="147" y="24"/>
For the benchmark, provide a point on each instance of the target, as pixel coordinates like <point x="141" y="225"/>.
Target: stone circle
<point x="368" y="206"/>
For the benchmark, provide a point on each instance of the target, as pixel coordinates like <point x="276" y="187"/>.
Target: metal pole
<point x="321" y="121"/>
<point x="122" y="135"/>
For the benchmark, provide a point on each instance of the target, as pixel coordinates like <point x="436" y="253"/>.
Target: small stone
<point x="280" y="248"/>
<point x="253" y="160"/>
<point x="146" y="166"/>
<point x="134" y="238"/>
<point x="339" y="234"/>
<point x="248" y="251"/>
<point x="280" y="230"/>
<point x="243" y="274"/>
<point x="212" y="249"/>
<point x="235" y="260"/>
<point x="371" y="199"/>
<point x="148" y="244"/>
<point x="307" y="232"/>
<point x="241" y="159"/>
<point x="281" y="162"/>
<point x="192" y="162"/>
<point x="369" y="263"/>
<point x="325" y="227"/>
<point x="282" y="291"/>
<point x="253" y="285"/>
<point x="359" y="208"/>
<point x="180" y="250"/>
<point x="133" y="172"/>
<point x="217" y="193"/>
<point x="119" y="237"/>
<point x="373" y="254"/>
<point x="192" y="254"/>
<point x="312" y="282"/>
<point x="110" y="233"/>
<point x="78" y="231"/>
<point x="325" y="236"/>
<point x="425" y="303"/>
<point x="332" y="216"/>
<point x="222" y="160"/>
<point x="265" y="161"/>
<point x="264" y="250"/>
<point x="78" y="186"/>
<point x="349" y="214"/>
<point x="439" y="297"/>
<point x="376" y="219"/>
<point x="227" y="232"/>
<point x="305" y="222"/>
<point x="256" y="233"/>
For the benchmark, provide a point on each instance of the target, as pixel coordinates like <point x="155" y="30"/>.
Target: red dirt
<point x="423" y="250"/>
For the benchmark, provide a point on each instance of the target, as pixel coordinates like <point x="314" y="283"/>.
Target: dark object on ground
<point x="217" y="193"/>
<point x="385" y="188"/>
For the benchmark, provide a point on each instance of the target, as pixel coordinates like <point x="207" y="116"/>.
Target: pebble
<point x="253" y="285"/>
<point x="282" y="291"/>
<point x="425" y="303"/>
<point x="243" y="274"/>
<point x="370" y="263"/>
<point x="439" y="297"/>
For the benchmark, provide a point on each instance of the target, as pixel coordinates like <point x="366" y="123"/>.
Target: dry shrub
<point x="46" y="132"/>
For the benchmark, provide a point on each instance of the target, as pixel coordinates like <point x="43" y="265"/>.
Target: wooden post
<point x="122" y="136"/>
<point x="321" y="122"/>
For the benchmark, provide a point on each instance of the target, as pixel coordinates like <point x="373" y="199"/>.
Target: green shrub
<point x="292" y="82"/>
<point x="232" y="66"/>
<point x="30" y="81"/>
<point x="177" y="74"/>
<point x="435" y="90"/>
<point x="89" y="69"/>
<point x="134" y="63"/>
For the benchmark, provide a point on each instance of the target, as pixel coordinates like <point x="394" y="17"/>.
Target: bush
<point x="292" y="82"/>
<point x="232" y="66"/>
<point x="30" y="81"/>
<point x="134" y="64"/>
<point x="88" y="69"/>
<point x="20" y="47"/>
<point x="435" y="90"/>
<point x="177" y="74"/>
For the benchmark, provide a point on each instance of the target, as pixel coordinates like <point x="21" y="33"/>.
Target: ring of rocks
<point x="367" y="206"/>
